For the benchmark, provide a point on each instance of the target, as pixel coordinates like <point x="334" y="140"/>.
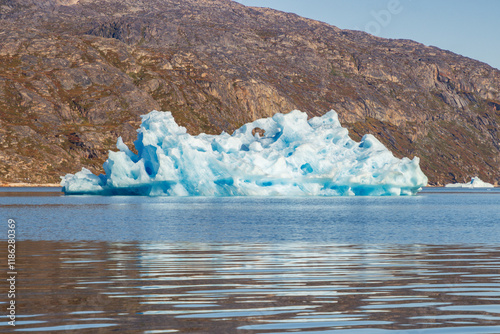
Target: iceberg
<point x="284" y="155"/>
<point x="475" y="182"/>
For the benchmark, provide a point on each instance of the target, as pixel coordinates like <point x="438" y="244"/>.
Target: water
<point x="425" y="264"/>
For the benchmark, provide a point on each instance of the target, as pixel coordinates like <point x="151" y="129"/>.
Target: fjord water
<point x="423" y="264"/>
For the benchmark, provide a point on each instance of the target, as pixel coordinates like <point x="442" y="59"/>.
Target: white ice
<point x="294" y="157"/>
<point x="475" y="182"/>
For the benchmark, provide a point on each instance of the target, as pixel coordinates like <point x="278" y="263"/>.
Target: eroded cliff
<point x="75" y="75"/>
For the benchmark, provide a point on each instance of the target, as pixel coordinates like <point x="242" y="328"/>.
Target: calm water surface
<point x="425" y="264"/>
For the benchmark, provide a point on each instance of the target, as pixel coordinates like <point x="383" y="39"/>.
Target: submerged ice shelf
<point x="294" y="156"/>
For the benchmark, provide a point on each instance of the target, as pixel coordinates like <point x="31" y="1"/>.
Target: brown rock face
<point x="76" y="74"/>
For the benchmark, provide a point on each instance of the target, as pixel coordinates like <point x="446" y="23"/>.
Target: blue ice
<point x="294" y="157"/>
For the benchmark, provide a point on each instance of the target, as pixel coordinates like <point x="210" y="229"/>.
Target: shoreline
<point x="56" y="185"/>
<point x="30" y="185"/>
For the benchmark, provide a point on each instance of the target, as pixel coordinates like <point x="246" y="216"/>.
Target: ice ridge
<point x="294" y="156"/>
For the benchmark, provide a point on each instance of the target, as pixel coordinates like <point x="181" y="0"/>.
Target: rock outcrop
<point x="76" y="74"/>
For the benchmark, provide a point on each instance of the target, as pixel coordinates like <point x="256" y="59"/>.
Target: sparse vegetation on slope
<point x="75" y="75"/>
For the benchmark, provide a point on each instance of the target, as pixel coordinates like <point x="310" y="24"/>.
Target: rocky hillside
<point x="76" y="74"/>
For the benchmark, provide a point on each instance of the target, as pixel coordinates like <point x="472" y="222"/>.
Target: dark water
<point x="424" y="264"/>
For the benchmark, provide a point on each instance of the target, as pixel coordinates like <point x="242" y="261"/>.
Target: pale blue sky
<point x="467" y="27"/>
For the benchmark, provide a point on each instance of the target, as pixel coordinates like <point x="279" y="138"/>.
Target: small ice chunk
<point x="475" y="182"/>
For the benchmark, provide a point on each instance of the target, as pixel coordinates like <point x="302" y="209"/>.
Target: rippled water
<point x="194" y="266"/>
<point x="258" y="288"/>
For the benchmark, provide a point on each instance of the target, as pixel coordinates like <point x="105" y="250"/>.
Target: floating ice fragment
<point x="475" y="182"/>
<point x="293" y="157"/>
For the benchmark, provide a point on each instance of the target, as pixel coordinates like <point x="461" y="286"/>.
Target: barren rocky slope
<point x="76" y="74"/>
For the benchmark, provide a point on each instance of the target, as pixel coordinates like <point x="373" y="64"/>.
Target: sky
<point x="467" y="27"/>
